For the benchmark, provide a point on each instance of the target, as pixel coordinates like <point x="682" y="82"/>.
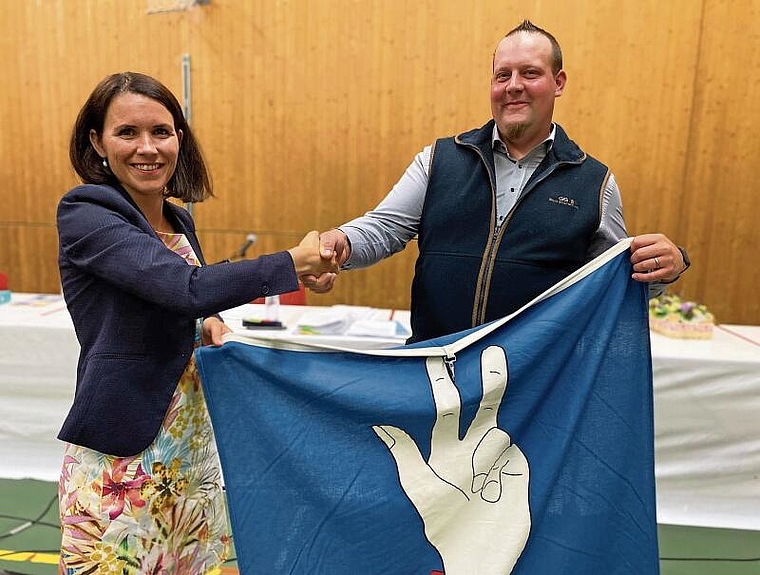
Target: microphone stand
<point x="239" y="254"/>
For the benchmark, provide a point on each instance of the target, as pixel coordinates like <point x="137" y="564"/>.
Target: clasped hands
<point x="311" y="264"/>
<point x="335" y="248"/>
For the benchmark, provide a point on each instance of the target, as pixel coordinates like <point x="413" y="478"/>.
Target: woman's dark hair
<point x="191" y="181"/>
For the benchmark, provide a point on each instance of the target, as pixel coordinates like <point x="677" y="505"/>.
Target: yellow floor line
<point x="47" y="558"/>
<point x="52" y="559"/>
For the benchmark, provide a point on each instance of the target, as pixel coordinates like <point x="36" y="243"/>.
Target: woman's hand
<point x="213" y="331"/>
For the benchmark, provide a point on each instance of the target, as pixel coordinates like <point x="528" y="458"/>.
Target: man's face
<point x="523" y="88"/>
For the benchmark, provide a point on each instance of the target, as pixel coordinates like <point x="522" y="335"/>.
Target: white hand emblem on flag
<point x="472" y="493"/>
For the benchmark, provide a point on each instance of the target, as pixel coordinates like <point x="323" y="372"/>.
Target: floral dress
<point x="161" y="511"/>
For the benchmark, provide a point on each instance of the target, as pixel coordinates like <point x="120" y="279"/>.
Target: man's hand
<point x="655" y="258"/>
<point x="334" y="242"/>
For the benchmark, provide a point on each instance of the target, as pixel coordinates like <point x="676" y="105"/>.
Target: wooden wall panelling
<point x="53" y="54"/>
<point x="723" y="202"/>
<point x="41" y="268"/>
<point x="628" y="101"/>
<point x="309" y="112"/>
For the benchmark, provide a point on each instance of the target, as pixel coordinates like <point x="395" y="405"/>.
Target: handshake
<point x="318" y="257"/>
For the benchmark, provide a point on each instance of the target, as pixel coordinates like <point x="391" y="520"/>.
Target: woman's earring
<point x="105" y="163"/>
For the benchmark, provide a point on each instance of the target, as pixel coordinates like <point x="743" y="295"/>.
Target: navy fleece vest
<point x="467" y="273"/>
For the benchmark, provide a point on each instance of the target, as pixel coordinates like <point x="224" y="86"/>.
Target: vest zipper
<point x="481" y="300"/>
<point x="485" y="274"/>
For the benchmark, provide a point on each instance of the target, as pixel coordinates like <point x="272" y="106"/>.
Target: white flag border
<point x="450" y="350"/>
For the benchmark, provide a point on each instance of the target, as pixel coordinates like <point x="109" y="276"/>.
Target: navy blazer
<point x="134" y="304"/>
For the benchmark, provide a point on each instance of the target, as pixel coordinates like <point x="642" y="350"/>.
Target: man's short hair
<point x="531" y="28"/>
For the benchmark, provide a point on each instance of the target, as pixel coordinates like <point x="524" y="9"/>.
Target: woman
<point x="140" y="488"/>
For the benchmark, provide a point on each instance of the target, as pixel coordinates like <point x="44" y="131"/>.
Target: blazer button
<point x="265" y="290"/>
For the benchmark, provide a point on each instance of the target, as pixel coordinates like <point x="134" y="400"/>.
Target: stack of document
<point x="350" y="321"/>
<point x="334" y="320"/>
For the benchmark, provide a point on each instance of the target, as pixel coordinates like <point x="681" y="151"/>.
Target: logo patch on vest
<point x="565" y="201"/>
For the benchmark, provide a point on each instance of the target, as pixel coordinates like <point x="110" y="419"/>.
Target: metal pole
<point x="187" y="103"/>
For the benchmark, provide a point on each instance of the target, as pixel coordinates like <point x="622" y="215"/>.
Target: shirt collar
<point x="499" y="146"/>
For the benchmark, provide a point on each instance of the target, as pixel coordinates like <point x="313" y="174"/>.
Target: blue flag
<point x="524" y="446"/>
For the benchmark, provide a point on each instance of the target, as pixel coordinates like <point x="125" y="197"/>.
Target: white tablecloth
<point x="707" y="425"/>
<point x="707" y="403"/>
<point x="38" y="362"/>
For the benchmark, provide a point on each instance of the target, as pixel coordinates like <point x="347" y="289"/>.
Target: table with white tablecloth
<point x="38" y="359"/>
<point x="707" y="398"/>
<point x="707" y="428"/>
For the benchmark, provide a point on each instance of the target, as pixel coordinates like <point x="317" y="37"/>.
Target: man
<point x="501" y="212"/>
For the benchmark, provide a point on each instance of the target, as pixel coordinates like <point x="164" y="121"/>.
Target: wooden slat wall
<point x="308" y="113"/>
<point x="720" y="203"/>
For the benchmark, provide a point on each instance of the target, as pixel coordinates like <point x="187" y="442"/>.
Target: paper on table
<point x="324" y="322"/>
<point x="377" y="328"/>
<point x="346" y="320"/>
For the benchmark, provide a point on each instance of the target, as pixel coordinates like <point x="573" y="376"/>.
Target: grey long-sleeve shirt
<point x="394" y="222"/>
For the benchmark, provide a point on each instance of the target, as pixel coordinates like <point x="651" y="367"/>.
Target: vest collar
<point x="563" y="148"/>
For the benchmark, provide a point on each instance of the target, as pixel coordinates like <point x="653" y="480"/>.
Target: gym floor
<point x="30" y="536"/>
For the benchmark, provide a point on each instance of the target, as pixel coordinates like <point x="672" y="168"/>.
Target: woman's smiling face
<point x="140" y="143"/>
